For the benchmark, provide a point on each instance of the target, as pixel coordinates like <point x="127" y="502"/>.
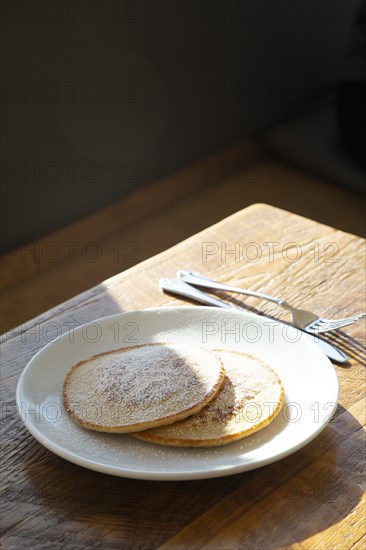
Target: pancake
<point x="248" y="400"/>
<point x="141" y="387"/>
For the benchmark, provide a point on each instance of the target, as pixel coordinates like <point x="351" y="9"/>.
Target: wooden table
<point x="312" y="499"/>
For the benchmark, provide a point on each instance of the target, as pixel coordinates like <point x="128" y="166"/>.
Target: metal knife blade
<point x="179" y="287"/>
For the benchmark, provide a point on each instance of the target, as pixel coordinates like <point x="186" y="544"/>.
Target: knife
<point x="179" y="287"/>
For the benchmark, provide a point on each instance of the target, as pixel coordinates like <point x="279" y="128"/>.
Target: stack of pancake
<point x="170" y="394"/>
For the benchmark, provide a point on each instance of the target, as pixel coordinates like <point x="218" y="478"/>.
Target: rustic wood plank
<point x="71" y="242"/>
<point x="135" y="228"/>
<point x="360" y="544"/>
<point x="292" y="498"/>
<point x="312" y="499"/>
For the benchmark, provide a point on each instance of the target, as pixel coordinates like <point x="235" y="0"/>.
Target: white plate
<point x="308" y="377"/>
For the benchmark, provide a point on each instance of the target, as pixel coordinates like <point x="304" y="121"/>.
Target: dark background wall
<point x="99" y="97"/>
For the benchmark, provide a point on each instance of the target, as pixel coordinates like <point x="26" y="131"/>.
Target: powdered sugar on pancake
<point x="151" y="375"/>
<point x="248" y="400"/>
<point x="131" y="388"/>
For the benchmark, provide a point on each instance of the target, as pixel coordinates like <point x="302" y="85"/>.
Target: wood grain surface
<point x="313" y="499"/>
<point x="71" y="260"/>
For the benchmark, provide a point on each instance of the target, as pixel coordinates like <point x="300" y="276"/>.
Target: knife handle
<point x="177" y="286"/>
<point x="193" y="278"/>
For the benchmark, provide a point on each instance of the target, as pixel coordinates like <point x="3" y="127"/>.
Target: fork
<point x="301" y="318"/>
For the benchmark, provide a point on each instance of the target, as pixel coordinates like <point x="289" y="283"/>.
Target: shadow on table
<point x="278" y="505"/>
<point x="354" y="348"/>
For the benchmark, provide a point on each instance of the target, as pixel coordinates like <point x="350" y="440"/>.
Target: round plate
<point x="308" y="377"/>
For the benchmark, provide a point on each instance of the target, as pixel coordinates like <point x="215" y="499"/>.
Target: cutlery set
<point x="309" y="323"/>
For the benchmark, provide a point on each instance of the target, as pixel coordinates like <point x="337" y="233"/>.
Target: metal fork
<point x="301" y="318"/>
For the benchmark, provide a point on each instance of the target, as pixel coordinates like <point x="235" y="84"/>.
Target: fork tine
<point x="341" y="324"/>
<point x="324" y="326"/>
<point x="327" y="325"/>
<point x="351" y="319"/>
